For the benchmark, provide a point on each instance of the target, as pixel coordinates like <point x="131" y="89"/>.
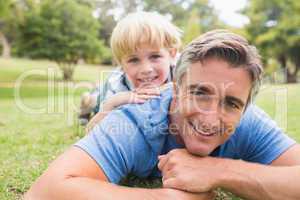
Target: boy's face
<point x="210" y="102"/>
<point x="148" y="67"/>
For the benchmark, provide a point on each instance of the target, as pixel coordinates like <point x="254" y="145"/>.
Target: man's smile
<point x="199" y="130"/>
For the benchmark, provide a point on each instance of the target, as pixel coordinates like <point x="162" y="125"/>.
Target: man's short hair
<point x="225" y="45"/>
<point x="143" y="28"/>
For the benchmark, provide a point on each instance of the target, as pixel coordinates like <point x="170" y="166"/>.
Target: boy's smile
<point x="148" y="66"/>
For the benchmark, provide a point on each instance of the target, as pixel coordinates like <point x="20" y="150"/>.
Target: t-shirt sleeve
<point x="263" y="141"/>
<point x="103" y="90"/>
<point x="113" y="84"/>
<point x="118" y="147"/>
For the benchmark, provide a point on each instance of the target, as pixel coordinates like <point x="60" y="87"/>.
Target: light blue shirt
<point x="116" y="82"/>
<point x="130" y="138"/>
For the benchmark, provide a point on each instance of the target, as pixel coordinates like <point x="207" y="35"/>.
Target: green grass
<point x="29" y="141"/>
<point x="282" y="103"/>
<point x="11" y="69"/>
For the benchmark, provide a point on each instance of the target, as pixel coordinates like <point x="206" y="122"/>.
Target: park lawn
<point x="29" y="141"/>
<point x="11" y="69"/>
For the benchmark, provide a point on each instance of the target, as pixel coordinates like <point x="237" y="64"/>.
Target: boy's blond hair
<point x="143" y="28"/>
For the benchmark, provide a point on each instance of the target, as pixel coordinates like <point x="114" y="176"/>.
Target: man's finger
<point x="168" y="174"/>
<point x="162" y="160"/>
<point x="172" y="183"/>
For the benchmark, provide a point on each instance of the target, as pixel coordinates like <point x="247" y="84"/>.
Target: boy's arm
<point x="75" y="175"/>
<point x="113" y="102"/>
<point x="121" y="98"/>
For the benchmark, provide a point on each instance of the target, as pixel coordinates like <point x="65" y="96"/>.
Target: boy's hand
<point x="143" y="94"/>
<point x="136" y="96"/>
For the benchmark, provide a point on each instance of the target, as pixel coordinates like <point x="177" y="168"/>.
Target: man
<point x="220" y="138"/>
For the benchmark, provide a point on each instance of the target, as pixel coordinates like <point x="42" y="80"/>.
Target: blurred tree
<point x="109" y="12"/>
<point x="63" y="31"/>
<point x="177" y="10"/>
<point x="7" y="26"/>
<point x="193" y="28"/>
<point x="4" y="7"/>
<point x="197" y="12"/>
<point x="275" y="28"/>
<point x="4" y="10"/>
<point x="207" y="15"/>
<point x="11" y="16"/>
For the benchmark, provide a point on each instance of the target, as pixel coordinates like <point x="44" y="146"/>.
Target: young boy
<point x="144" y="45"/>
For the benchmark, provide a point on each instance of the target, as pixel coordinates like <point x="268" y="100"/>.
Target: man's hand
<point x="181" y="195"/>
<point x="184" y="171"/>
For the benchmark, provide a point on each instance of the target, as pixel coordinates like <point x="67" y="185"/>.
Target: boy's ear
<point x="173" y="52"/>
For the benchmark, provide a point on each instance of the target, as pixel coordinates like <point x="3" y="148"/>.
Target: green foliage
<point x="10" y="17"/>
<point x="63" y="31"/>
<point x="4" y="7"/>
<point x="193" y="28"/>
<point x="274" y="28"/>
<point x="180" y="11"/>
<point x="106" y="56"/>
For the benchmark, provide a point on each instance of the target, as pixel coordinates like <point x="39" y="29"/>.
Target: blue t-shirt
<point x="130" y="138"/>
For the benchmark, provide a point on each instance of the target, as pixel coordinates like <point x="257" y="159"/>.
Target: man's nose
<point x="211" y="119"/>
<point x="212" y="114"/>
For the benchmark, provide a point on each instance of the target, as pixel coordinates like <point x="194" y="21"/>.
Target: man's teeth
<point x="198" y="130"/>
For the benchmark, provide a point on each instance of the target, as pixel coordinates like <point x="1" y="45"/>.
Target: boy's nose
<point x="146" y="69"/>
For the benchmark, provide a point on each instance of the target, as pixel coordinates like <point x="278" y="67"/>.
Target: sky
<point x="228" y="11"/>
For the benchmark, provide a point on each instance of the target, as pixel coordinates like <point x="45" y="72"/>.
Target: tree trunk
<point x="291" y="77"/>
<point x="67" y="70"/>
<point x="6" y="48"/>
<point x="67" y="76"/>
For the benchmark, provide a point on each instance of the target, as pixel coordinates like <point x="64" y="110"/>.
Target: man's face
<point x="210" y="102"/>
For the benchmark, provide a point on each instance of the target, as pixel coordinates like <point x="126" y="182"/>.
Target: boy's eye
<point x="133" y="60"/>
<point x="155" y="56"/>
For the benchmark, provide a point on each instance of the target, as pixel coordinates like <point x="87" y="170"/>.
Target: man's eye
<point x="232" y="105"/>
<point x="197" y="92"/>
